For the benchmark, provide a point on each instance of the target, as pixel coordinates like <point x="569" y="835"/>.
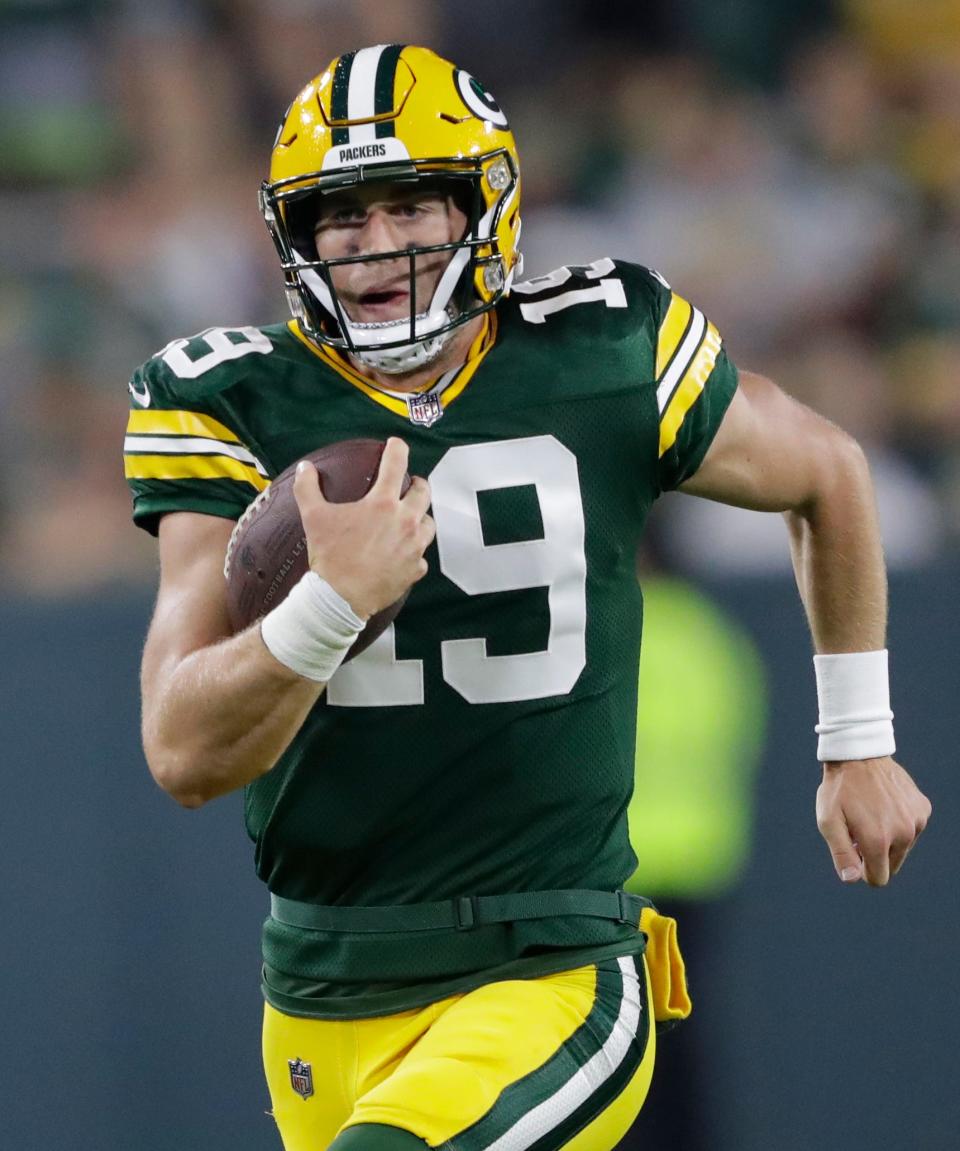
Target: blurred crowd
<point x="793" y="169"/>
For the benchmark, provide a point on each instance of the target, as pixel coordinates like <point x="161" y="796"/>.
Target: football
<point x="267" y="552"/>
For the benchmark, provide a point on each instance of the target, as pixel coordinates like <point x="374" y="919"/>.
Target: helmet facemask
<point x="471" y="283"/>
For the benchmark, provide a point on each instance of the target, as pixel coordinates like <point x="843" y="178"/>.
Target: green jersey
<point x="484" y="744"/>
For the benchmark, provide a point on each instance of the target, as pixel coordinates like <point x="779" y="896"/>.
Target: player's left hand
<point x="871" y="813"/>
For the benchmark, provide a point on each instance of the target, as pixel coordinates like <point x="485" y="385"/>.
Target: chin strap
<point x="406" y="357"/>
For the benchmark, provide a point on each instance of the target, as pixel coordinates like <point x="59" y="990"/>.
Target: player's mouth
<point x="380" y="304"/>
<point x="390" y="298"/>
<point x="383" y="296"/>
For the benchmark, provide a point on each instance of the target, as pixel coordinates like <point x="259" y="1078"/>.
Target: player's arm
<point x="773" y="454"/>
<point x="219" y="710"/>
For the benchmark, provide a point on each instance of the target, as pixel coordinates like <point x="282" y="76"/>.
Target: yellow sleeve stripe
<point x="671" y="332"/>
<point x="684" y="356"/>
<point x="189" y="446"/>
<point x="145" y="422"/>
<point x="183" y="467"/>
<point x="689" y="388"/>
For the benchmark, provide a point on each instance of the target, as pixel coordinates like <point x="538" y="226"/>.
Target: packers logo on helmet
<point x="478" y="99"/>
<point x="386" y="114"/>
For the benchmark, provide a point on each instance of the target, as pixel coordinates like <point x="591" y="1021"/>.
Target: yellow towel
<point x="668" y="975"/>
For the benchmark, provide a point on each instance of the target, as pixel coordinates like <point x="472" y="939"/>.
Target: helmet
<point x="395" y="113"/>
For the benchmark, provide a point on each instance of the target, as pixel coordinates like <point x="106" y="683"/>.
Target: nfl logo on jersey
<point x="301" y="1077"/>
<point x="425" y="410"/>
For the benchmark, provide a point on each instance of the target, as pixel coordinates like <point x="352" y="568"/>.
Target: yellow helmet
<point x="395" y="113"/>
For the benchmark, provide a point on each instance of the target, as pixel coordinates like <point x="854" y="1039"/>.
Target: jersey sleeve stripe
<point x="149" y="422"/>
<point x="675" y="323"/>
<point x="689" y="388"/>
<point x="192" y="467"/>
<point x="183" y="446"/>
<point x="685" y="356"/>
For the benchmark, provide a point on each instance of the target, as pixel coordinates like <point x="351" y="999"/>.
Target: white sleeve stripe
<point x="190" y="446"/>
<point x="682" y="360"/>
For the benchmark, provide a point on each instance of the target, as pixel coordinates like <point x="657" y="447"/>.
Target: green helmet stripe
<point x="338" y="97"/>
<point x="383" y="94"/>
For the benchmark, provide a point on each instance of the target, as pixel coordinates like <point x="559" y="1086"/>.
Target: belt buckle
<point x="627" y="912"/>
<point x="465" y="912"/>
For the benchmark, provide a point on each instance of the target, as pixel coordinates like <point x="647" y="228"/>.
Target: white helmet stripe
<point x="362" y="91"/>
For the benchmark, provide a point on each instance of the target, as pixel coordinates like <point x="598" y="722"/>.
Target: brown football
<point x="267" y="552"/>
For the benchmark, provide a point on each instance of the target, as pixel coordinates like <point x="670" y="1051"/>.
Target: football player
<point x="450" y="959"/>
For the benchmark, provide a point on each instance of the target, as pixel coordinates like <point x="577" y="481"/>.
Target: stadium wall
<point x="131" y="1005"/>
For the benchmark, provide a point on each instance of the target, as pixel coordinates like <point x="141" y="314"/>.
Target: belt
<point x="461" y="913"/>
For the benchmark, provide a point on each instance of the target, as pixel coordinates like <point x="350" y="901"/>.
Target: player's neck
<point x="453" y="355"/>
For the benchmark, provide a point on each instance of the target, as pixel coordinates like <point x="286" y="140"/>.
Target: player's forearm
<point x="838" y="557"/>
<point x="221" y="717"/>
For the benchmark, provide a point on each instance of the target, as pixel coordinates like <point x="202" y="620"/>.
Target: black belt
<point x="462" y="913"/>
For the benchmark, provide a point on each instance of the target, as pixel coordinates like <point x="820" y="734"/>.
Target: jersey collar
<point x="445" y="388"/>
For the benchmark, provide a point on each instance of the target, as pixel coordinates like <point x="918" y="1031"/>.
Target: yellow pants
<point x="560" y="1061"/>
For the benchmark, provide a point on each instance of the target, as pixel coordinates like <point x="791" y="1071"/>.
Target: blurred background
<point x="792" y="168"/>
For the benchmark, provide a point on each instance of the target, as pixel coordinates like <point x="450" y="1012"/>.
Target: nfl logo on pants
<point x="301" y="1077"/>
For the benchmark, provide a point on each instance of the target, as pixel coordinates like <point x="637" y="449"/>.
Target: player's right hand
<point x="871" y="814"/>
<point x="369" y="551"/>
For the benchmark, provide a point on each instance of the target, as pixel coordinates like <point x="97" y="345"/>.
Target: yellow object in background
<point x="904" y="34"/>
<point x="700" y="731"/>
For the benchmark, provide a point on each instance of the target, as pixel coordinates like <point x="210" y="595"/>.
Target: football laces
<point x="248" y="515"/>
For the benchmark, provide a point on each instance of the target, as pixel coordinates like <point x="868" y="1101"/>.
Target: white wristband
<point x="853" y="691"/>
<point x="312" y="629"/>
